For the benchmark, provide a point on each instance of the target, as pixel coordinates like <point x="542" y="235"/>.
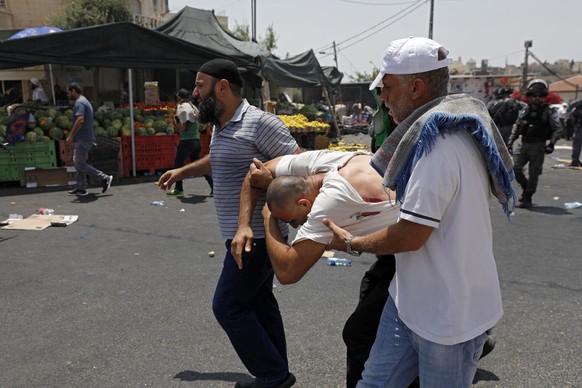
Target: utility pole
<point x="339" y="88"/>
<point x="254" y="20"/>
<point x="431" y="19"/>
<point x="527" y="45"/>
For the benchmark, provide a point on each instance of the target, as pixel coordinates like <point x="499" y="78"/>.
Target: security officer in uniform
<point x="576" y="115"/>
<point x="504" y="111"/>
<point x="536" y="126"/>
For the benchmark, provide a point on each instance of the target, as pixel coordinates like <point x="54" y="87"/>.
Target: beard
<point x="210" y="109"/>
<point x="401" y="110"/>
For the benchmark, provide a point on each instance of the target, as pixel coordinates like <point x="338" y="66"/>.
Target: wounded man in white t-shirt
<point x="307" y="188"/>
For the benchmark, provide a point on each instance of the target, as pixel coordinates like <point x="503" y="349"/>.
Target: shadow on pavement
<point x="194" y="199"/>
<point x="484" y="375"/>
<point x="190" y="375"/>
<point x="90" y="197"/>
<point x="550" y="210"/>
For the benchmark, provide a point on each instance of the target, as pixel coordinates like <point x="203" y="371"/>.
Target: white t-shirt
<point x="337" y="199"/>
<point x="39" y="94"/>
<point x="186" y="112"/>
<point x="448" y="291"/>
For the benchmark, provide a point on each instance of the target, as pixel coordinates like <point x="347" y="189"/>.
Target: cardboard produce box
<point x="49" y="177"/>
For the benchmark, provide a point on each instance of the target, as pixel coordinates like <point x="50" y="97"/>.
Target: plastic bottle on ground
<point x="45" y="211"/>
<point x="336" y="261"/>
<point x="572" y="205"/>
<point x="157" y="203"/>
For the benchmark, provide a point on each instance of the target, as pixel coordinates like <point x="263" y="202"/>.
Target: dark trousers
<point x="576" y="144"/>
<point x="191" y="149"/>
<point x="360" y="329"/>
<point x="532" y="154"/>
<point x="247" y="310"/>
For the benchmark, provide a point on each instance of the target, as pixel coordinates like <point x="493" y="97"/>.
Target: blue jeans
<point x="247" y="310"/>
<point x="399" y="355"/>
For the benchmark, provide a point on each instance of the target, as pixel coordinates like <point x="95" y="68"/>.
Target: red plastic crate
<point x="151" y="153"/>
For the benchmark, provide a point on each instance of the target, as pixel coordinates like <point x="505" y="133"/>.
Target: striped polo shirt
<point x="250" y="133"/>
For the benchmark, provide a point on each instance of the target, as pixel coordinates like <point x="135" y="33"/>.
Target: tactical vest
<point x="577" y="117"/>
<point x="535" y="123"/>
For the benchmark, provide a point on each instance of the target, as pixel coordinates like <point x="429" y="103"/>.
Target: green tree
<point x="365" y="77"/>
<point x="241" y="31"/>
<point x="85" y="13"/>
<point x="270" y="41"/>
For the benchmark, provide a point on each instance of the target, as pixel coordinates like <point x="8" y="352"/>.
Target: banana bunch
<point x="299" y="123"/>
<point x="347" y="147"/>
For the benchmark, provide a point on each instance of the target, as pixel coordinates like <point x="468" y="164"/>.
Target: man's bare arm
<point x="403" y="236"/>
<point x="249" y="196"/>
<point x="290" y="263"/>
<point x="197" y="168"/>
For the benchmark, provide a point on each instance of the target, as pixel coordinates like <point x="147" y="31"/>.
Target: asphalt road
<point x="122" y="297"/>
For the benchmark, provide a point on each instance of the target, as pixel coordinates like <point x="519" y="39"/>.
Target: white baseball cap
<point x="411" y="55"/>
<point x="35" y="81"/>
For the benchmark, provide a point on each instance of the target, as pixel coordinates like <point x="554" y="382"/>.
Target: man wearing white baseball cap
<point x="443" y="160"/>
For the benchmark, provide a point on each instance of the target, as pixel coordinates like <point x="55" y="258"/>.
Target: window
<point x="2" y="3"/>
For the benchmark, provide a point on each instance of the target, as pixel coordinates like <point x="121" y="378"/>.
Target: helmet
<point x="502" y="91"/>
<point x="537" y="87"/>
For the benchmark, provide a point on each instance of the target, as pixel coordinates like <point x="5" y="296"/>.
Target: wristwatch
<point x="349" y="246"/>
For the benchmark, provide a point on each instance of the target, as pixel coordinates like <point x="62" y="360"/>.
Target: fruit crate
<point x="17" y="157"/>
<point x="151" y="153"/>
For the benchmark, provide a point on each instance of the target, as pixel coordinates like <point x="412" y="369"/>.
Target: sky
<point x="492" y="30"/>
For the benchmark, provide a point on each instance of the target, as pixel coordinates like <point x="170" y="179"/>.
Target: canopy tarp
<point x="117" y="45"/>
<point x="201" y="27"/>
<point x="297" y="71"/>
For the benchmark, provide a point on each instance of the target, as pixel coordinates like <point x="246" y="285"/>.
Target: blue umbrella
<point x="37" y="31"/>
<point x="34" y="31"/>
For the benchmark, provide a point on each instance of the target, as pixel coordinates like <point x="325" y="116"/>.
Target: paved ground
<point x="122" y="297"/>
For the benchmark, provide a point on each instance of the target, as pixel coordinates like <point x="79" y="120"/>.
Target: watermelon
<point x="149" y="123"/>
<point x="52" y="112"/>
<point x="30" y="137"/>
<point x="45" y="123"/>
<point x="116" y="115"/>
<point x="69" y="113"/>
<point x="40" y="113"/>
<point x="161" y="134"/>
<point x="141" y="131"/>
<point x="160" y="125"/>
<point x="150" y="131"/>
<point x="62" y="122"/>
<point x="56" y="133"/>
<point x="100" y="131"/>
<point x="126" y="131"/>
<point x="112" y="132"/>
<point x="116" y="123"/>
<point x="38" y="131"/>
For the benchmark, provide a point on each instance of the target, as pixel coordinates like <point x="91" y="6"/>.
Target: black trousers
<point x="360" y="329"/>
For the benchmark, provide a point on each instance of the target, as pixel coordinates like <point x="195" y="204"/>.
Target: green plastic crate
<point x="39" y="155"/>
